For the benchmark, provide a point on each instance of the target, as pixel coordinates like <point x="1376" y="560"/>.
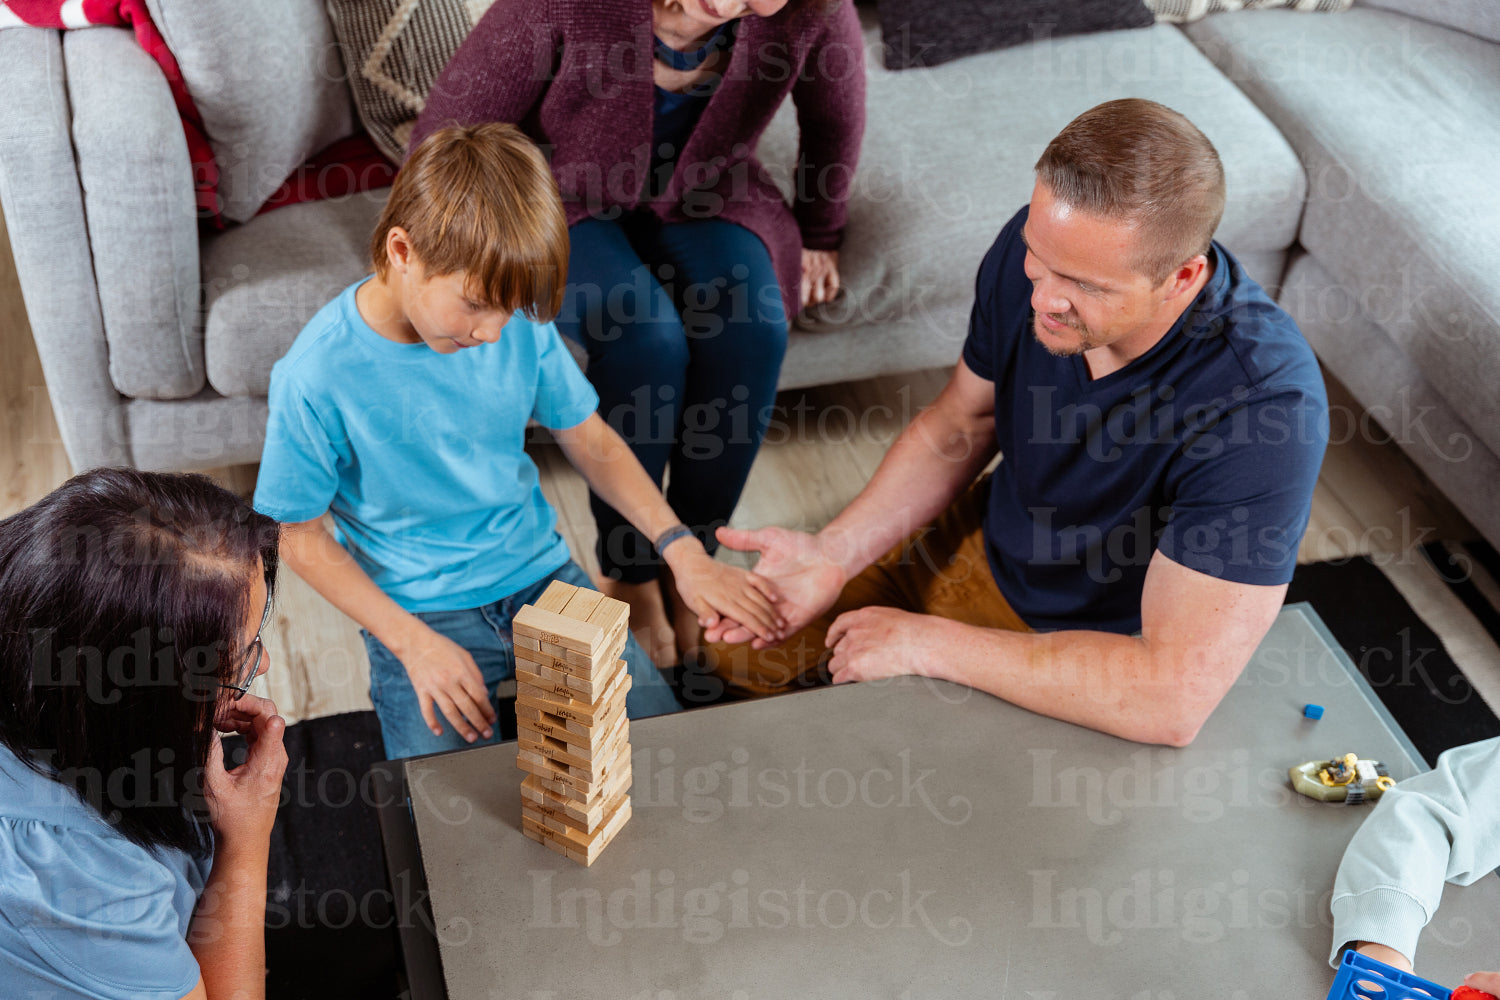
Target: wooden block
<point x="590" y="764"/>
<point x="564" y="701"/>
<point x="583" y="848"/>
<point x="519" y="641"/>
<point x="549" y="626"/>
<point x="590" y="689"/>
<point x="565" y="816"/>
<point x="595" y="669"/>
<point x="556" y="596"/>
<point x="582" y="604"/>
<point x="592" y="795"/>
<point x="607" y="651"/>
<point x="609" y="614"/>
<point x="586" y="738"/>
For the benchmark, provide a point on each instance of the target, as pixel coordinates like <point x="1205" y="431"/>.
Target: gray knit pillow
<point x="930" y="32"/>
<point x="394" y="51"/>
<point x="1179" y="11"/>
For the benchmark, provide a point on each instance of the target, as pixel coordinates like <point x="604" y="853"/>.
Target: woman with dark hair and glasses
<point x="132" y="863"/>
<point x="687" y="259"/>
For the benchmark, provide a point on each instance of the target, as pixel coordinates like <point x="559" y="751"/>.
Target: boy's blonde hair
<point x="481" y="199"/>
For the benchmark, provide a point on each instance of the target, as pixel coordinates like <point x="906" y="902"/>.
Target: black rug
<point x="1401" y="657"/>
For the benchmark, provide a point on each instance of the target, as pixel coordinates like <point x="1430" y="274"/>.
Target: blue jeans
<point x="685" y="331"/>
<point x="485" y="633"/>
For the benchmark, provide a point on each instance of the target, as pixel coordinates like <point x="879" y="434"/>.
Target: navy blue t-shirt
<point x="1206" y="447"/>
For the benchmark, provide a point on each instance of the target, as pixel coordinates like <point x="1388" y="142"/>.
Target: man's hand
<point x="716" y="591"/>
<point x="820" y="276"/>
<point x="871" y="643"/>
<point x="242" y="803"/>
<point x="803" y="581"/>
<point x="446" y="677"/>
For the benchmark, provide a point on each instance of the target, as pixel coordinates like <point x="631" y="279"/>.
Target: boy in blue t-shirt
<point x="402" y="409"/>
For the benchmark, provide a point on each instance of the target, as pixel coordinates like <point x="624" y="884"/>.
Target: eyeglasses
<point x="250" y="665"/>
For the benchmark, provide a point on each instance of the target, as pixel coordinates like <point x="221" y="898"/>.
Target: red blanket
<point x="346" y="167"/>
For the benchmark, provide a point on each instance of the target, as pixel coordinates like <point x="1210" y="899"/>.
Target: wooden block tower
<point x="573" y="735"/>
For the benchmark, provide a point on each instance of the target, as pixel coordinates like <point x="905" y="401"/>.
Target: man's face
<point x="446" y="313"/>
<point x="1086" y="294"/>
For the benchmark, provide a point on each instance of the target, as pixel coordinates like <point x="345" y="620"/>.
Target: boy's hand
<point x="447" y="679"/>
<point x="715" y="590"/>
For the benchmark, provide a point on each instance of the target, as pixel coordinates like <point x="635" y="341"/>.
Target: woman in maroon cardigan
<point x="686" y="263"/>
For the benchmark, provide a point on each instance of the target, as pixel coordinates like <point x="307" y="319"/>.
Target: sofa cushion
<point x="1477" y="17"/>
<point x="264" y="280"/>
<point x="139" y="206"/>
<point x="267" y="79"/>
<point x="1398" y="125"/>
<point x="948" y="156"/>
<point x="932" y="32"/>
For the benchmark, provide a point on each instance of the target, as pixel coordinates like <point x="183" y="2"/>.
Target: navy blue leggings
<point x="685" y="331"/>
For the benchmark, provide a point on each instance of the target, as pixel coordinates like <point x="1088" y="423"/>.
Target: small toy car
<point x="1349" y="780"/>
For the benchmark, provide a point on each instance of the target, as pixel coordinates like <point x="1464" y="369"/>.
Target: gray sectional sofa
<point x="1360" y="151"/>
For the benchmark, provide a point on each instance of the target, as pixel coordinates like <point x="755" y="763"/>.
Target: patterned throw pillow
<point x="394" y="50"/>
<point x="1179" y="11"/>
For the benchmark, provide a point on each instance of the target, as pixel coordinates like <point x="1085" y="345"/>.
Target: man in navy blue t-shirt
<point x="1161" y="423"/>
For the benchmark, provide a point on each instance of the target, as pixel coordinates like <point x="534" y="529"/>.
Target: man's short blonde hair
<point x="1142" y="163"/>
<point x="480" y="199"/>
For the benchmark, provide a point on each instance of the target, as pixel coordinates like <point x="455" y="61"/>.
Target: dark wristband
<point x="669" y="536"/>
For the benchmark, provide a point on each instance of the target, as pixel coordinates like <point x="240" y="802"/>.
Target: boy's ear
<point x="398" y="249"/>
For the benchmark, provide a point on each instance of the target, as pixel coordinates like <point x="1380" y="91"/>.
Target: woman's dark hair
<point x="123" y="598"/>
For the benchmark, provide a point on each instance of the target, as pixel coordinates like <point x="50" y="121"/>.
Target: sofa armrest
<point x="140" y="209"/>
<point x="43" y="205"/>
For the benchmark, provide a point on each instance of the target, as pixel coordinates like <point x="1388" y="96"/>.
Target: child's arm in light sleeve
<point x="1438" y="827"/>
<point x="445" y="676"/>
<point x="711" y="588"/>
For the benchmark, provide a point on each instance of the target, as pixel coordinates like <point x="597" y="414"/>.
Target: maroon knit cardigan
<point x="575" y="75"/>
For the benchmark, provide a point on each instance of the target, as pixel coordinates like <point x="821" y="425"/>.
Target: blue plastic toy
<point x="1313" y="711"/>
<point x="1363" y="978"/>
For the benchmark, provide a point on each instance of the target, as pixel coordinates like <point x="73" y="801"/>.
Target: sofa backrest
<point x="267" y="78"/>
<point x="1477" y="17"/>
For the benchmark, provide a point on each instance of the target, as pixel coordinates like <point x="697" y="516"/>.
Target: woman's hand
<point x="242" y="803"/>
<point x="820" y="276"/>
<point x="715" y="590"/>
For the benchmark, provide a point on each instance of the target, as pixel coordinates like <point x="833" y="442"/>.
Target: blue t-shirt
<point x="83" y="910"/>
<point x="420" y="455"/>
<point x="1206" y="447"/>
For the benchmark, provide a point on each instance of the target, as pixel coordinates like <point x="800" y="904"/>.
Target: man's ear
<point x="1184" y="277"/>
<point x="398" y="251"/>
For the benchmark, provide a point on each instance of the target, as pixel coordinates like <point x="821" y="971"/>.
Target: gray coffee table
<point x="918" y="840"/>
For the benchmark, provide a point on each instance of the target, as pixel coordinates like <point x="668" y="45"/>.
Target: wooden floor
<point x="822" y="449"/>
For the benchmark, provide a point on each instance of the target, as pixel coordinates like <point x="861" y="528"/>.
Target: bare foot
<point x="648" y="618"/>
<point x="684" y="621"/>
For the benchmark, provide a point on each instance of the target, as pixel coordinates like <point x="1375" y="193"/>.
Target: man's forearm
<point x="1112" y="683"/>
<point x="933" y="460"/>
<point x="313" y="555"/>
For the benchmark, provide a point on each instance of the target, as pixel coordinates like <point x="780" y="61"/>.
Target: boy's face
<point x="446" y="314"/>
